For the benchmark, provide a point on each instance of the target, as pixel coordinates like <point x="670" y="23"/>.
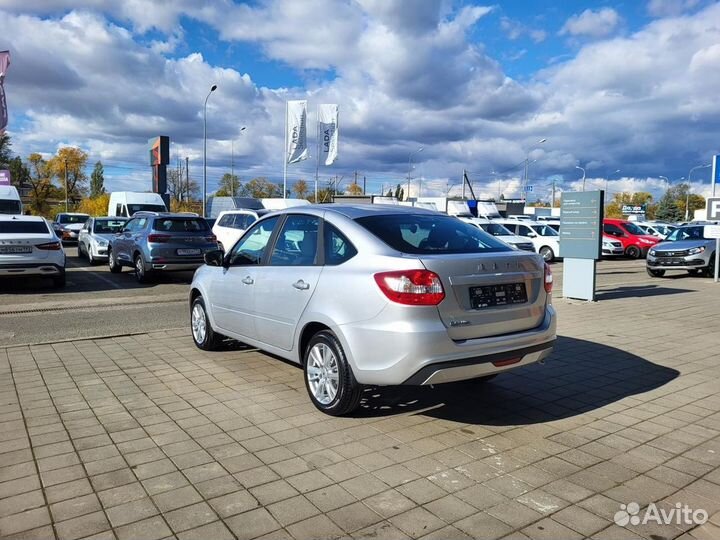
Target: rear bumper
<point x="172" y="266"/>
<point x="31" y="269"/>
<point x="420" y="352"/>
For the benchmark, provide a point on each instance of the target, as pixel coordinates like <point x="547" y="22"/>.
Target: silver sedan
<point x="95" y="235"/>
<point x="375" y="295"/>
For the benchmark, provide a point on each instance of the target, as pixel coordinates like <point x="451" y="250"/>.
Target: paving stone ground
<point x="147" y="437"/>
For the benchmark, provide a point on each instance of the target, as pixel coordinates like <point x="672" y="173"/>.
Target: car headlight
<point x="652" y="252"/>
<point x="101" y="243"/>
<point x="696" y="250"/>
<point x="646" y="241"/>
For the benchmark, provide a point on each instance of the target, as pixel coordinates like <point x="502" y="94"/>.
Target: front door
<point x="232" y="289"/>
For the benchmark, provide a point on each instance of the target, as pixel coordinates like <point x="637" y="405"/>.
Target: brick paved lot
<point x="147" y="437"/>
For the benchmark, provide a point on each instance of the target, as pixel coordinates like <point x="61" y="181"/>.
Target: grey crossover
<point x="375" y="295"/>
<point x="160" y="241"/>
<point x="686" y="248"/>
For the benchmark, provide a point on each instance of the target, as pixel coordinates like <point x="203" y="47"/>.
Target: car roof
<point x="72" y="214"/>
<point x="12" y="217"/>
<point x="354" y="211"/>
<point x="145" y="213"/>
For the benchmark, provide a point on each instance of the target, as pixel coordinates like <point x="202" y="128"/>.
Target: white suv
<point x="231" y="224"/>
<point x="545" y="239"/>
<point x="29" y="247"/>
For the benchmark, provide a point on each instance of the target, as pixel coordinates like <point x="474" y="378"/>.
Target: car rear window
<point x="180" y="224"/>
<point x="106" y="226"/>
<point x="64" y="218"/>
<point x="9" y="206"/>
<point x="423" y="234"/>
<point x="23" y="227"/>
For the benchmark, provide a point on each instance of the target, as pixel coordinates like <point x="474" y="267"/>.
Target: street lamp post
<point x="410" y="168"/>
<point x="212" y="89"/>
<point x="606" y="181"/>
<point x="667" y="182"/>
<point x="527" y="164"/>
<point x="583" y="178"/>
<point x="687" y="196"/>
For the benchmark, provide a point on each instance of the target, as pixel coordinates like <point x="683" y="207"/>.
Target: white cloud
<point x="664" y="8"/>
<point x="591" y="23"/>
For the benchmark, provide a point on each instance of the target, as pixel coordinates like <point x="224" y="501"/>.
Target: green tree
<point x="230" y="186"/>
<point x="5" y="153"/>
<point x="97" y="181"/>
<point x="667" y="209"/>
<point x="262" y="188"/>
<point x="19" y="173"/>
<point x="399" y="193"/>
<point x="389" y="193"/>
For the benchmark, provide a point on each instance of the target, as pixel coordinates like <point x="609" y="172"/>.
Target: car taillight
<point x="158" y="238"/>
<point x="411" y="287"/>
<point x="548" y="279"/>
<point x="50" y="246"/>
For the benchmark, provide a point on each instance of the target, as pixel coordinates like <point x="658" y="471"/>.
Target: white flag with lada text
<point x="328" y="132"/>
<point x="296" y="134"/>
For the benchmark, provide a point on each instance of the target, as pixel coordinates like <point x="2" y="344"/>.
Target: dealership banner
<point x="5" y="177"/>
<point x="296" y="131"/>
<point x="4" y="64"/>
<point x="328" y="132"/>
<point x="634" y="208"/>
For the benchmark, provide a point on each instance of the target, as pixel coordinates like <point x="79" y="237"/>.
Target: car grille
<point x="525" y="246"/>
<point x="682" y="253"/>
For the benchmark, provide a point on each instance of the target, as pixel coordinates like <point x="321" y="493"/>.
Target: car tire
<point x="633" y="252"/>
<point x="91" y="260"/>
<point x="113" y="265"/>
<point x="141" y="273"/>
<point x="203" y="335"/>
<point x="547" y="253"/>
<point x="59" y="280"/>
<point x="81" y="253"/>
<point x="655" y="273"/>
<point x="324" y="361"/>
<point x="710" y="268"/>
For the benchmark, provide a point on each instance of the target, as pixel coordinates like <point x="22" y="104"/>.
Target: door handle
<point x="301" y="285"/>
<point x="247" y="280"/>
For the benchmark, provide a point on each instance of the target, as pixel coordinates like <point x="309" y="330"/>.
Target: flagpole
<point x="317" y="152"/>
<point x="285" y="152"/>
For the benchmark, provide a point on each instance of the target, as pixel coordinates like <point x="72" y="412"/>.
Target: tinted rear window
<point x="132" y="208"/>
<point x="180" y="224"/>
<point x="9" y="206"/>
<point x="23" y="227"/>
<point x="64" y="218"/>
<point x="430" y="235"/>
<point x="108" y="226"/>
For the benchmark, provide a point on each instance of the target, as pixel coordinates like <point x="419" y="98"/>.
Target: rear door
<point x="287" y="283"/>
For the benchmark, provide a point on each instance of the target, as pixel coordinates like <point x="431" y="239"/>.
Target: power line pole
<point x="187" y="177"/>
<point x="364" y="184"/>
<point x="66" y="187"/>
<point x="552" y="202"/>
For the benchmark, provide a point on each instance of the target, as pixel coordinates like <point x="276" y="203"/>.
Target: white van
<point x="280" y="204"/>
<point x="10" y="202"/>
<point x="126" y="203"/>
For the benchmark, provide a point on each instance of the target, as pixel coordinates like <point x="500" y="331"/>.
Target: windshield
<point x="132" y="208"/>
<point x="429" y="235"/>
<point x="66" y="218"/>
<point x="495" y="229"/>
<point x="545" y="230"/>
<point x="23" y="227"/>
<point x="687" y="233"/>
<point x="8" y="206"/>
<point x="108" y="226"/>
<point x="633" y="229"/>
<point x="180" y="224"/>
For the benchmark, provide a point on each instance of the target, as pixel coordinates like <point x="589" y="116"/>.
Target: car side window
<point x="140" y="224"/>
<point x="296" y="244"/>
<point x="130" y="226"/>
<point x="251" y="248"/>
<point x="225" y="221"/>
<point x="613" y="230"/>
<point x="524" y="230"/>
<point x="337" y="248"/>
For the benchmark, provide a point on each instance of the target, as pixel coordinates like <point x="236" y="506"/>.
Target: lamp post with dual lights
<point x="407" y="195"/>
<point x="527" y="166"/>
<point x="212" y="89"/>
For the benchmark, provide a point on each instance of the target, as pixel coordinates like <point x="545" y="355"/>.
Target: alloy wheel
<point x="322" y="373"/>
<point x="198" y="323"/>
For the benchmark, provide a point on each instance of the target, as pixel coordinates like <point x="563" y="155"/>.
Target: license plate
<point x="497" y="295"/>
<point x="189" y="251"/>
<point x="673" y="262"/>
<point x="15" y="249"/>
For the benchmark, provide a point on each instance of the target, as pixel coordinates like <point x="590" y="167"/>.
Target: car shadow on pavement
<point x="579" y="376"/>
<point x="639" y="291"/>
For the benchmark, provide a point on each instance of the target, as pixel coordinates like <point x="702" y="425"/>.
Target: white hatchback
<point x="29" y="247"/>
<point x="545" y="239"/>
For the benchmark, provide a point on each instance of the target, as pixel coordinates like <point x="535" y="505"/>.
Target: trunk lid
<point x="460" y="273"/>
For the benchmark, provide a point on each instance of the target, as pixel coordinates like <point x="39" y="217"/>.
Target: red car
<point x="635" y="241"/>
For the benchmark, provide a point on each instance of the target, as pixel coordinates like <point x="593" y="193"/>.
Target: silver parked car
<point x="95" y="236"/>
<point x="686" y="248"/>
<point x="375" y="295"/>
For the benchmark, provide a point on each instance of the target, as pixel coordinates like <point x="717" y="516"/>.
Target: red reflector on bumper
<point x="508" y="362"/>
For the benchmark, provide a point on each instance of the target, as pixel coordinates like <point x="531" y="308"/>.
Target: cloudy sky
<point x="627" y="90"/>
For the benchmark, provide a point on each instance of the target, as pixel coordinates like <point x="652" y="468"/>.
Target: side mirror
<point x="216" y="257"/>
<point x="532" y="235"/>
